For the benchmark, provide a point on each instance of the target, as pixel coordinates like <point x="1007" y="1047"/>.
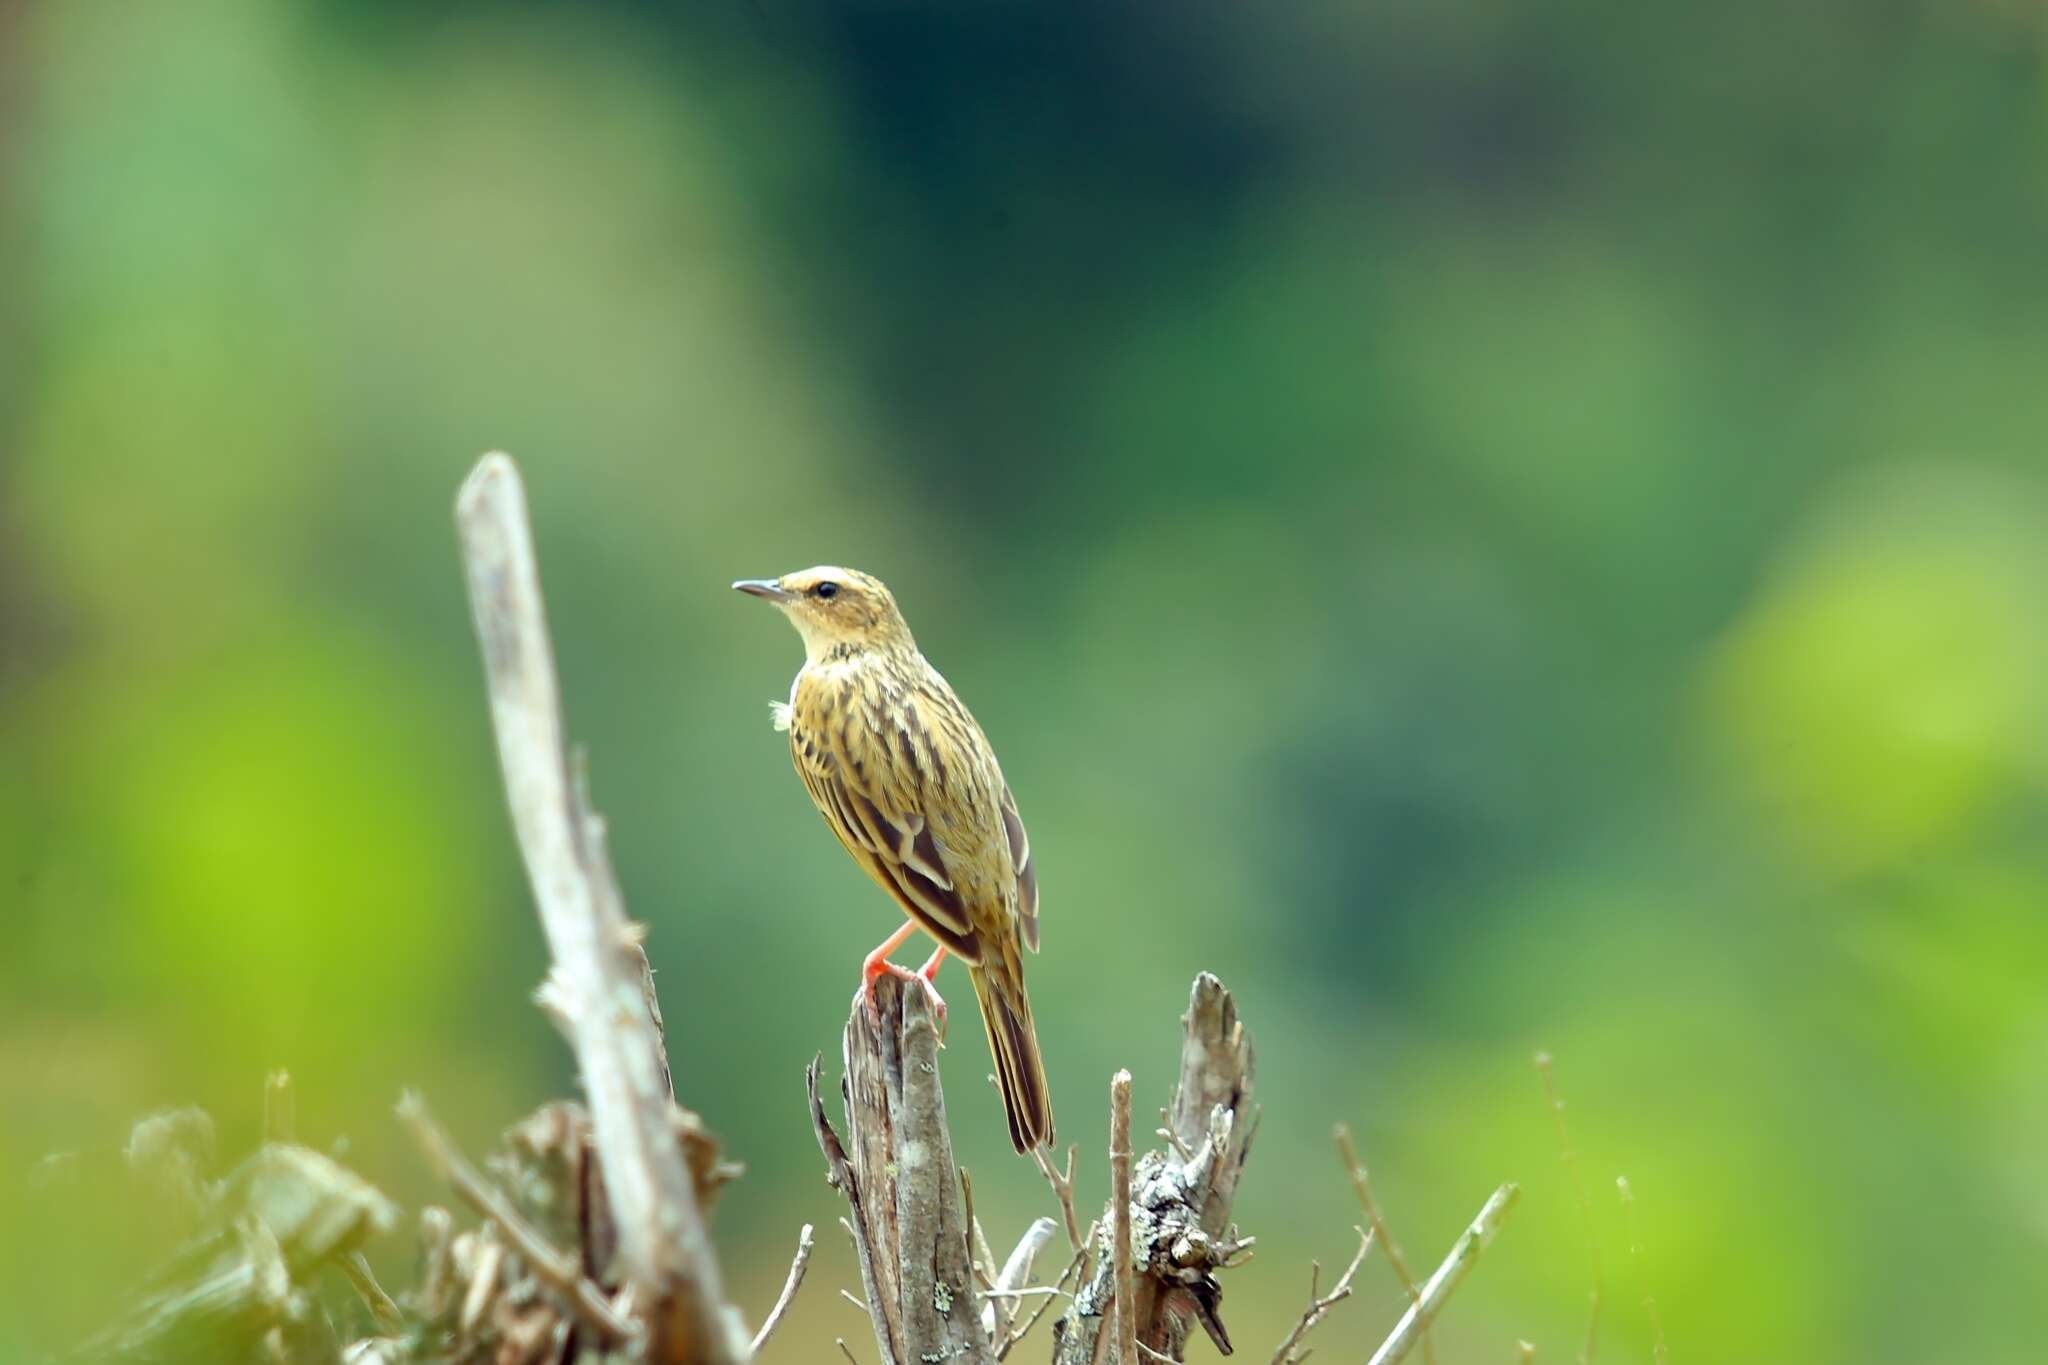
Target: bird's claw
<point x="888" y="968"/>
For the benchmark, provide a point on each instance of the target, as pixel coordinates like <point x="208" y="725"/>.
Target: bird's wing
<point x="1026" y="871"/>
<point x="878" y="823"/>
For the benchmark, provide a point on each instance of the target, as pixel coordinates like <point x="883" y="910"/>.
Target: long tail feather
<point x="1020" y="1073"/>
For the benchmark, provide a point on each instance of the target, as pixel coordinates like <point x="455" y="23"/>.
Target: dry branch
<point x="598" y="990"/>
<point x="1120" y="1217"/>
<point x="1181" y="1232"/>
<point x="1015" y="1274"/>
<point x="557" y="1268"/>
<point x="1361" y="1185"/>
<point x="1017" y="1334"/>
<point x="839" y="1174"/>
<point x="1320" y="1304"/>
<point x="797" y="1266"/>
<point x="898" y="1176"/>
<point x="1063" y="1190"/>
<point x="1463" y="1255"/>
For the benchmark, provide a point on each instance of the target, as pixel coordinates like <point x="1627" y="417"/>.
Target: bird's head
<point x="833" y="607"/>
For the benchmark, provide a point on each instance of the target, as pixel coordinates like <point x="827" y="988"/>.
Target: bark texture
<point x="1181" y="1233"/>
<point x="910" y="1226"/>
<point x="898" y="1177"/>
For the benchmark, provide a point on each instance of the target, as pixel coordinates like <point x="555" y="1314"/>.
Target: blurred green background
<point x="1491" y="526"/>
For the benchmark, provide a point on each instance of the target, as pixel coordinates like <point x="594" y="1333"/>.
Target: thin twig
<point x="1063" y="1188"/>
<point x="557" y="1268"/>
<point x="1120" y="1217"/>
<point x="1320" y="1306"/>
<point x="845" y="1350"/>
<point x="1165" y="1130"/>
<point x="981" y="1258"/>
<point x="382" y="1307"/>
<point x="664" y="1249"/>
<point x="1018" y="1334"/>
<point x="856" y="1300"/>
<point x="797" y="1267"/>
<point x="1547" y="1069"/>
<point x="1361" y="1182"/>
<point x="1464" y="1254"/>
<point x="1658" y="1351"/>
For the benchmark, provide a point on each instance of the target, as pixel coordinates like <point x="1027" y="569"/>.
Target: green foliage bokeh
<point x="1492" y="527"/>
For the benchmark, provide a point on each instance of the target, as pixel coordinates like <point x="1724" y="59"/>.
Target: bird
<point x="906" y="779"/>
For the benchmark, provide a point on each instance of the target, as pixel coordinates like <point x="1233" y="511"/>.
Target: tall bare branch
<point x="598" y="988"/>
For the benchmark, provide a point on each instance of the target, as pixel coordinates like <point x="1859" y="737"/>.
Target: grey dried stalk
<point x="598" y="989"/>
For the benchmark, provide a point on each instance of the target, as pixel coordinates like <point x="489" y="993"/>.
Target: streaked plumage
<point x="905" y="778"/>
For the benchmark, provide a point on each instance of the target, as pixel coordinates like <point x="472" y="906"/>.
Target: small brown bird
<point x="907" y="780"/>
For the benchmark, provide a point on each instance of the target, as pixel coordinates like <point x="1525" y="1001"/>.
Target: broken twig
<point x="797" y="1267"/>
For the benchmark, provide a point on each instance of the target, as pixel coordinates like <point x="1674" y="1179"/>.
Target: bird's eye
<point x="825" y="592"/>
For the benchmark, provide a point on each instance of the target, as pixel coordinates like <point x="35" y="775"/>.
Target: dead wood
<point x="901" y="1185"/>
<point x="1181" y="1234"/>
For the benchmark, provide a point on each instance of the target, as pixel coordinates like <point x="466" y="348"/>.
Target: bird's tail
<point x="1020" y="1073"/>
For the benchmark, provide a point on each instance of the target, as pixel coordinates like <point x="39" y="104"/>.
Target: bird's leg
<point x="929" y="974"/>
<point x="877" y="965"/>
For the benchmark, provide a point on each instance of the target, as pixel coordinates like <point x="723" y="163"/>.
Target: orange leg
<point x="878" y="962"/>
<point x="877" y="965"/>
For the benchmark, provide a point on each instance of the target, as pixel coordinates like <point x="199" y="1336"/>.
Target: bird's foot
<point x="877" y="967"/>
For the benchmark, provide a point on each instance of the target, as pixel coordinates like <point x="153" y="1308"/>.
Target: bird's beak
<point x="762" y="587"/>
